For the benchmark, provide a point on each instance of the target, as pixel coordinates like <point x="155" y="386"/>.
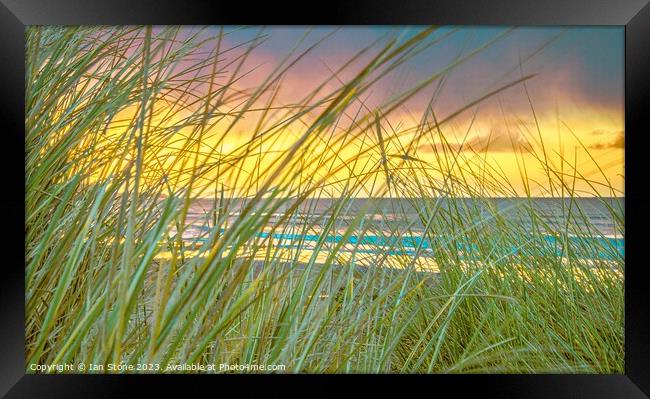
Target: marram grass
<point x="125" y="129"/>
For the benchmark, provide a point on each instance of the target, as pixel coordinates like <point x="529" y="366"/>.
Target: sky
<point x="572" y="106"/>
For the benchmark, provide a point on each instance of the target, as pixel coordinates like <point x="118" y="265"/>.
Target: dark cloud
<point x="618" y="142"/>
<point x="498" y="140"/>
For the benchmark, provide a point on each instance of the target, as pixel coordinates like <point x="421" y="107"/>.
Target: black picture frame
<point x="15" y="15"/>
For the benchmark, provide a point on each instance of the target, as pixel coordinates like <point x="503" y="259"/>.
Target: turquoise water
<point x="601" y="223"/>
<point x="606" y="248"/>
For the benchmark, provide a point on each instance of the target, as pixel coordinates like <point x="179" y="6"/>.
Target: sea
<point x="404" y="226"/>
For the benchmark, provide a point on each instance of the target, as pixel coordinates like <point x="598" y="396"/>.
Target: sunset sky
<point x="576" y="93"/>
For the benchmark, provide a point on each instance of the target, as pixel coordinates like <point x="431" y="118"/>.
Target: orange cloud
<point x="618" y="142"/>
<point x="498" y="140"/>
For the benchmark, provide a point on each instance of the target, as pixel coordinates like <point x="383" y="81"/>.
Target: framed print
<point x="446" y="194"/>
